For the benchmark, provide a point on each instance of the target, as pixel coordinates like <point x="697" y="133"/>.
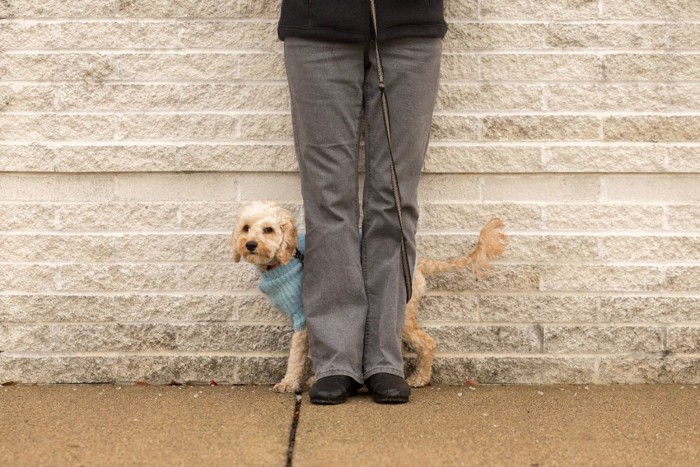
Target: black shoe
<point x="333" y="390"/>
<point x="387" y="388"/>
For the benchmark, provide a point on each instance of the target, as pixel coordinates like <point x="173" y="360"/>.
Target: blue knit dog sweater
<point x="282" y="285"/>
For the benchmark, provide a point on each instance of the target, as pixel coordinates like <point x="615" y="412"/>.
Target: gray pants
<point x="353" y="289"/>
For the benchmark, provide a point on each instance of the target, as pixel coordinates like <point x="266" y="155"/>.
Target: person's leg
<point x="411" y="75"/>
<point x="325" y="82"/>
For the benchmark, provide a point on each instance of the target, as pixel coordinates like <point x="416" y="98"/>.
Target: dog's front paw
<point x="416" y="381"/>
<point x="286" y="386"/>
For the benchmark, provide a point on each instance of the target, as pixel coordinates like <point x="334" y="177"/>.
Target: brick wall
<point x="131" y="130"/>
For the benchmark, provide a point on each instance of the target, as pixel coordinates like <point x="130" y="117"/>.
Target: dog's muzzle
<point x="251" y="246"/>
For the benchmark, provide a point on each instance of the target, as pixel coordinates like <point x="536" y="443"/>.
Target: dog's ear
<point x="289" y="238"/>
<point x="236" y="255"/>
<point x="234" y="237"/>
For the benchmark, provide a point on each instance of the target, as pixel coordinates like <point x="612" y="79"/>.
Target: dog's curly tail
<point x="492" y="244"/>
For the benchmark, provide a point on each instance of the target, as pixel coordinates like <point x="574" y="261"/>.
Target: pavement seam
<point x="293" y="430"/>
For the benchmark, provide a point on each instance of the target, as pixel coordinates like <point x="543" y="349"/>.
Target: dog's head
<point x="264" y="233"/>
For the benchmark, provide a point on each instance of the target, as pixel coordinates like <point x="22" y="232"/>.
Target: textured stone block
<point x="523" y="67"/>
<point x="597" y="339"/>
<point x="237" y="35"/>
<point x="504" y="279"/>
<point x="482" y="159"/>
<point x="684" y="159"/>
<point x="33" y="66"/>
<point x="606" y="36"/>
<point x="447" y="187"/>
<point x="460" y="216"/>
<point x="115" y="97"/>
<point x="26" y="97"/>
<point x="202" y="247"/>
<point x="183" y="126"/>
<point x="552" y="248"/>
<point x="115" y="35"/>
<point x="537" y="308"/>
<point x="47" y="188"/>
<point x="683" y="279"/>
<point x="176" y="187"/>
<point x="181" y="369"/>
<point x="649" y="309"/>
<point x="454" y="128"/>
<point x="225" y="337"/>
<point x="541" y="128"/>
<point x="683" y="217"/>
<point x="57" y="127"/>
<point x="37" y="308"/>
<point x="682" y="36"/>
<point x="648" y="248"/>
<point x="601" y="278"/>
<point x="477" y="36"/>
<point x="27" y="158"/>
<point x="602" y="216"/>
<point x="118" y="216"/>
<point x="649" y="67"/>
<point x="18" y="36"/>
<point x="262" y="66"/>
<point x="657" y="128"/>
<point x="684" y="339"/>
<point x="87" y="337"/>
<point x="208" y="215"/>
<point x="62" y="8"/>
<point x="258" y="9"/>
<point x="122" y="158"/>
<point x="238" y="97"/>
<point x="455" y="66"/>
<point x="521" y="339"/>
<point x="652" y="188"/>
<point x="540" y="188"/>
<point x="534" y="370"/>
<point x="178" y="9"/>
<point x="266" y="127"/>
<point x="650" y="369"/>
<point x="178" y="67"/>
<point x="606" y="98"/>
<point x="529" y="9"/>
<point x="452" y="307"/>
<point x="157" y="277"/>
<point x="259" y="370"/>
<point x="639" y="9"/>
<point x="254" y="157"/>
<point x="278" y="187"/>
<point x="27" y="216"/>
<point x="56" y="247"/>
<point x="56" y="369"/>
<point x="461" y="9"/>
<point x="605" y="159"/>
<point x="473" y="97"/>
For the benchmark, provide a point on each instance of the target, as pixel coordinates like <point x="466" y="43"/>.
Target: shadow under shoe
<point x="387" y="388"/>
<point x="333" y="390"/>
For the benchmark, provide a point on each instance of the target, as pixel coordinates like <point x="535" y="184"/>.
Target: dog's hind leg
<point x="420" y="341"/>
<point x="295" y="364"/>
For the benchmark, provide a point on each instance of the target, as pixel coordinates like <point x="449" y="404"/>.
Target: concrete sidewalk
<point x="248" y="425"/>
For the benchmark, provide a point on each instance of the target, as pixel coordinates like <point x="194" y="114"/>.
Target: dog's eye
<point x="268" y="230"/>
<point x="246" y="228"/>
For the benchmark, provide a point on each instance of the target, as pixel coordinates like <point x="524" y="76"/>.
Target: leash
<point x="394" y="178"/>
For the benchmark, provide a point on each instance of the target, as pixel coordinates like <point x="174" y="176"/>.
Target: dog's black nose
<point x="251" y="245"/>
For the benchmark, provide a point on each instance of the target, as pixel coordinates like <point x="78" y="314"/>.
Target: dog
<point x="265" y="234"/>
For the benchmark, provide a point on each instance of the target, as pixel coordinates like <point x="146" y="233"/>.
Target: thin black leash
<point x="394" y="178"/>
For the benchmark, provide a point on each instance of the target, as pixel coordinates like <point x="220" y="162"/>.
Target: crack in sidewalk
<point x="293" y="430"/>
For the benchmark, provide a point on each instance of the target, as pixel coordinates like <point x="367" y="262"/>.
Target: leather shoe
<point x="387" y="388"/>
<point x="333" y="390"/>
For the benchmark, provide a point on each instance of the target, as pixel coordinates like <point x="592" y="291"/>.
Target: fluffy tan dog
<point x="265" y="234"/>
